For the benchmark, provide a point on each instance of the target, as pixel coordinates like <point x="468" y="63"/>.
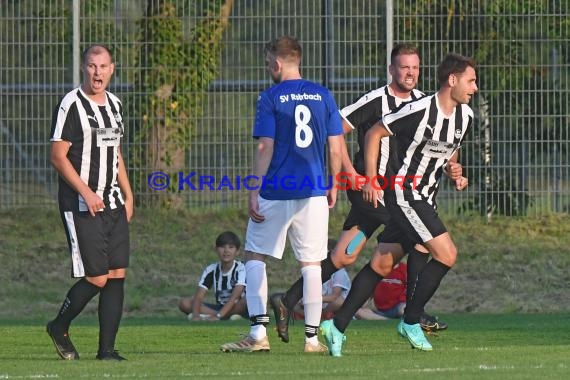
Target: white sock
<point x="256" y="294"/>
<point x="312" y="294"/>
<point x="314" y="340"/>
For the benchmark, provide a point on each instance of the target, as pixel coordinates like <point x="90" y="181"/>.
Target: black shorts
<point x="364" y="215"/>
<point x="412" y="225"/>
<point x="392" y="233"/>
<point x="97" y="244"/>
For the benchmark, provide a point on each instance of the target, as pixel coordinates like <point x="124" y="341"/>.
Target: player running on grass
<point x="363" y="219"/>
<point x="428" y="133"/>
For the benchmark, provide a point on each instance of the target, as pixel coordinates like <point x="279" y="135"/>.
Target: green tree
<point x="515" y="53"/>
<point x="175" y="71"/>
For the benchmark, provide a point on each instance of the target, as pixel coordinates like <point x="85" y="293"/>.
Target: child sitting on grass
<point x="227" y="278"/>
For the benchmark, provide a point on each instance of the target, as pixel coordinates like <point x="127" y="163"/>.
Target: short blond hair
<point x="286" y="48"/>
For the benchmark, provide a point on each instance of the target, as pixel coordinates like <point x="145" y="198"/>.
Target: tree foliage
<point x="175" y="71"/>
<point x="516" y="55"/>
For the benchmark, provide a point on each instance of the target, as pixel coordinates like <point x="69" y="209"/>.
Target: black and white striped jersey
<point x="222" y="283"/>
<point x="94" y="133"/>
<point x="425" y="141"/>
<point x="365" y="112"/>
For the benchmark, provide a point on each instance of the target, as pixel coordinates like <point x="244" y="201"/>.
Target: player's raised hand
<point x="453" y="170"/>
<point x="461" y="183"/>
<point x="372" y="194"/>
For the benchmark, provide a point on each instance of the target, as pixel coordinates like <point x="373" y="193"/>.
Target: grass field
<point x="511" y="265"/>
<point x="507" y="346"/>
<point x="506" y="301"/>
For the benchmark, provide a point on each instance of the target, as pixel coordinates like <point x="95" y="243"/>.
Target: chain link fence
<point x="516" y="157"/>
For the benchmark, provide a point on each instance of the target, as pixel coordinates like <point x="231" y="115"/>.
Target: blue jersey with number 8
<point x="298" y="115"/>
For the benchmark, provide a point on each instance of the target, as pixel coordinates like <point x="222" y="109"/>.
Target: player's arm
<point x="453" y="169"/>
<point x="461" y="183"/>
<point x="347" y="166"/>
<point x="197" y="303"/>
<point x="63" y="166"/>
<point x="125" y="186"/>
<point x="370" y="192"/>
<point x="335" y="145"/>
<point x="261" y="163"/>
<point x="234" y="298"/>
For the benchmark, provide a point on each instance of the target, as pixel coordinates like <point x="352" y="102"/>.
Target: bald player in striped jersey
<point x="95" y="202"/>
<point x="428" y="133"/>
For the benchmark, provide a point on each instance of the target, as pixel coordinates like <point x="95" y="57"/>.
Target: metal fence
<point x="516" y="157"/>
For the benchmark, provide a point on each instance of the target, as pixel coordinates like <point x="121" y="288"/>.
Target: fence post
<point x="389" y="36"/>
<point x="327" y="25"/>
<point x="75" y="35"/>
<point x="484" y="115"/>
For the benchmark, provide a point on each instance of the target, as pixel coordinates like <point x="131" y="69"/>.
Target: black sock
<point x="416" y="262"/>
<point x="110" y="312"/>
<point x="295" y="292"/>
<point x="427" y="283"/>
<point x="361" y="290"/>
<point x="311" y="331"/>
<point x="77" y="297"/>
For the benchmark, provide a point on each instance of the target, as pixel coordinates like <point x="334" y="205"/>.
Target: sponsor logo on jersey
<point x="458" y="133"/>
